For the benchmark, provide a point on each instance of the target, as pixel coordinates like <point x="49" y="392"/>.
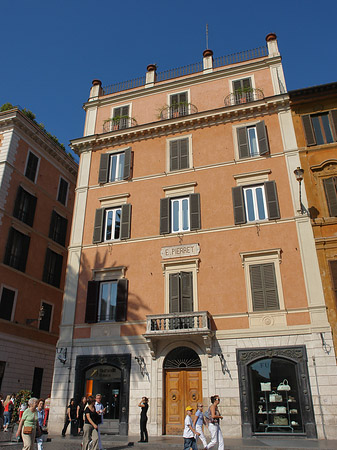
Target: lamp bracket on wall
<point x="224" y="366"/>
<point x="142" y="366"/>
<point x="62" y="354"/>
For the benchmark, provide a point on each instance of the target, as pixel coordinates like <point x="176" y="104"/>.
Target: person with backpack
<point x="198" y="422"/>
<point x="189" y="432"/>
<point x="213" y="417"/>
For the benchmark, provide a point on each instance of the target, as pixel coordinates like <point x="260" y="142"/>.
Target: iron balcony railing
<point x="244" y="96"/>
<point x="175" y="323"/>
<point x="190" y="69"/>
<point x="178" y="110"/>
<point x="119" y="123"/>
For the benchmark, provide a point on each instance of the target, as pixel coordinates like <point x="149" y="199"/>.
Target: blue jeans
<point x="7" y="418"/>
<point x="190" y="442"/>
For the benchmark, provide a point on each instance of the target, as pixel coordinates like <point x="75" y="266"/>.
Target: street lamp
<point x="41" y="314"/>
<point x="299" y="177"/>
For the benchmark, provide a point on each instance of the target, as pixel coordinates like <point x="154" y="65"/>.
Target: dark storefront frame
<point x="296" y="354"/>
<point x="121" y="362"/>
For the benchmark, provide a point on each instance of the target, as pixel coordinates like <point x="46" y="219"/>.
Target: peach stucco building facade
<point x="191" y="269"/>
<point x="37" y="180"/>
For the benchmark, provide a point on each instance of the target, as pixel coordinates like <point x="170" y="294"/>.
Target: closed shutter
<point x="98" y="226"/>
<point x="238" y="205"/>
<point x="333" y="119"/>
<point x="272" y="200"/>
<point x="91" y="309"/>
<point x="31" y="210"/>
<point x="333" y="271"/>
<point x="186" y="291"/>
<point x="125" y="221"/>
<point x="308" y="130"/>
<point x="174" y="156"/>
<point x="24" y="252"/>
<point x="184" y="154"/>
<point x="103" y="168"/>
<point x="262" y="138"/>
<point x="122" y="300"/>
<point x="243" y="142"/>
<point x="164" y="215"/>
<point x="195" y="217"/>
<point x="263" y="286"/>
<point x="331" y="195"/>
<point x="127" y="164"/>
<point x="174" y="306"/>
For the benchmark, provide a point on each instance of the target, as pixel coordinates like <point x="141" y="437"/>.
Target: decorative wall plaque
<point x="178" y="251"/>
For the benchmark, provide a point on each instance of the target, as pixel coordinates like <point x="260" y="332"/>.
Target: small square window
<point x="31" y="166"/>
<point x="63" y="191"/>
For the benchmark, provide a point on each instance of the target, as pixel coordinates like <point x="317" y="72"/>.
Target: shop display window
<point x="275" y="396"/>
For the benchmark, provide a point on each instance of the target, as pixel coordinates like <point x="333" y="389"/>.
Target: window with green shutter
<point x="252" y="140"/>
<point x="112" y="223"/>
<point x="263" y="287"/>
<point x="179" y="154"/>
<point x="115" y="166"/>
<point x="180" y="214"/>
<point x="330" y="188"/>
<point x="181" y="298"/>
<point x="320" y="128"/>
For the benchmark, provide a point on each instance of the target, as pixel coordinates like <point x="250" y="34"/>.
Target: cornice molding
<point x="17" y="120"/>
<point x="198" y="120"/>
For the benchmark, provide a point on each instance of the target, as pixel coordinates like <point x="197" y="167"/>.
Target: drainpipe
<point x="319" y="397"/>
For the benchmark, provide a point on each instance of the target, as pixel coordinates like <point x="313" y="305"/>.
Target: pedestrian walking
<point x="90" y="429"/>
<point x="214" y="426"/>
<point x="101" y="411"/>
<point x="80" y="414"/>
<point x="189" y="432"/>
<point x="41" y="437"/>
<point x="8" y="410"/>
<point x="144" y="405"/>
<point x="198" y="422"/>
<point x="28" y="425"/>
<point x="70" y="419"/>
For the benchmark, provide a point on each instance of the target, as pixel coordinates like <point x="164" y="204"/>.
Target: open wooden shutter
<point x="333" y="119"/>
<point x="186" y="291"/>
<point x="272" y="200"/>
<point x="330" y="185"/>
<point x="125" y="221"/>
<point x="263" y="286"/>
<point x="195" y="217"/>
<point x="122" y="300"/>
<point x="243" y="142"/>
<point x="127" y="164"/>
<point x="308" y="130"/>
<point x="103" y="168"/>
<point x="91" y="309"/>
<point x="164" y="215"/>
<point x="262" y="138"/>
<point x="98" y="226"/>
<point x="174" y="293"/>
<point x="174" y="155"/>
<point x="238" y="205"/>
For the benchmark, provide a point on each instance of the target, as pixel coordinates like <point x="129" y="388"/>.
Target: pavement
<point x="175" y="442"/>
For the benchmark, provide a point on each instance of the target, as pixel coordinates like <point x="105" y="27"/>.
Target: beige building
<point x="191" y="268"/>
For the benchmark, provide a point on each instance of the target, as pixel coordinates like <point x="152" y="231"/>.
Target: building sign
<point x="103" y="373"/>
<point x="180" y="250"/>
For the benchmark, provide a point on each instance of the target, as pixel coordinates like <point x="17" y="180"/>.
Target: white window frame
<point x="184" y="265"/>
<point x="254" y="188"/>
<point x="122" y="106"/>
<point x="188" y="91"/>
<point x="102" y="283"/>
<point x="116" y="155"/>
<point x="37" y="167"/>
<point x="113" y="223"/>
<point x="58" y="189"/>
<point x="268" y="318"/>
<point x="242" y="77"/>
<point x="51" y="315"/>
<point x="190" y="153"/>
<point x="236" y="143"/>
<point x="179" y="201"/>
<point x="10" y="288"/>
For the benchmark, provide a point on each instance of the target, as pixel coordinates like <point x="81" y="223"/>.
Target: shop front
<point x="275" y="394"/>
<point x="109" y="376"/>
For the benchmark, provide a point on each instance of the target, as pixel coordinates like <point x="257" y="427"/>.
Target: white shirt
<point x="188" y="433"/>
<point x="99" y="407"/>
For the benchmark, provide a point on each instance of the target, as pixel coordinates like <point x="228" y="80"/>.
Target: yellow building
<point x="191" y="271"/>
<point x="315" y="123"/>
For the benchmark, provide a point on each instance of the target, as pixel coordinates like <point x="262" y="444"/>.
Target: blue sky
<point x="51" y="51"/>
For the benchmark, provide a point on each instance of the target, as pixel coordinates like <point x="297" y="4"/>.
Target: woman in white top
<point x="199" y="422"/>
<point x="213" y="426"/>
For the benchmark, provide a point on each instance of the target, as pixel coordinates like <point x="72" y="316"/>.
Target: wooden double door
<point x="182" y="388"/>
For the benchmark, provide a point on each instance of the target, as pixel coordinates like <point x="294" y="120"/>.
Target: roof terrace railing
<point x="234" y="58"/>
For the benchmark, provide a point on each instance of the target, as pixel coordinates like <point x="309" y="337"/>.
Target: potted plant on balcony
<point x="119" y="123"/>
